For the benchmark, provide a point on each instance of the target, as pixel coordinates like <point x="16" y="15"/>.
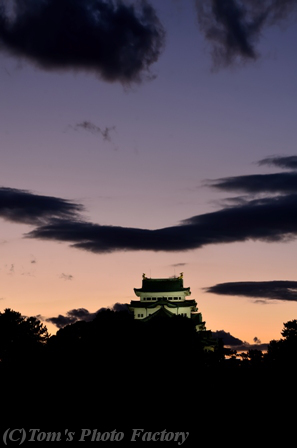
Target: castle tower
<point x="167" y="297"/>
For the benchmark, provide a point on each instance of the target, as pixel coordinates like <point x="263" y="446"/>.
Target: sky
<point x="149" y="137"/>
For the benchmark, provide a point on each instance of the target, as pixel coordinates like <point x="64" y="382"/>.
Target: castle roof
<point x="162" y="285"/>
<point x="161" y="313"/>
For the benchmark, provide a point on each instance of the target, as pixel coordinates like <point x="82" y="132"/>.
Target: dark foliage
<point x="21" y="339"/>
<point x="112" y="369"/>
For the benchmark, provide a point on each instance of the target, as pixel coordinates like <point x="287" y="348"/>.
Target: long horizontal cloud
<point x="259" y="183"/>
<point x="289" y="162"/>
<point x="115" y="40"/>
<point x="233" y="27"/>
<point x="271" y="290"/>
<point x="25" y="207"/>
<point x="285" y="182"/>
<point x="268" y="219"/>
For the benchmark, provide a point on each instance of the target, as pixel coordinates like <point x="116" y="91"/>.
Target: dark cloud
<point x="288" y="162"/>
<point x="116" y="40"/>
<point x="259" y="183"/>
<point x="94" y="129"/>
<point x="120" y="307"/>
<point x="227" y="338"/>
<point x="24" y="207"/>
<point x="233" y="27"/>
<point x="116" y="307"/>
<point x="268" y="290"/>
<point x="71" y="317"/>
<point x="269" y="219"/>
<point x="81" y="314"/>
<point x="234" y="343"/>
<point x="266" y="219"/>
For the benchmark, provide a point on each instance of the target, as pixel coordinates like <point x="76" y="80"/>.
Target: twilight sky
<point x="155" y="137"/>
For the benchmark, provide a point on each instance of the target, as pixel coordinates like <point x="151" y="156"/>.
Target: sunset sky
<point x="158" y="139"/>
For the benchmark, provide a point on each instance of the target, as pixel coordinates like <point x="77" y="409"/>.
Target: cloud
<point x="268" y="290"/>
<point x="22" y="206"/>
<point x="233" y="27"/>
<point x="268" y="219"/>
<point x="91" y="127"/>
<point x="66" y="277"/>
<point x="259" y="183"/>
<point x="28" y="274"/>
<point x="71" y="317"/>
<point x="227" y="338"/>
<point x="234" y="343"/>
<point x="81" y="314"/>
<point x="116" y="40"/>
<point x="288" y="162"/>
<point x="116" y="307"/>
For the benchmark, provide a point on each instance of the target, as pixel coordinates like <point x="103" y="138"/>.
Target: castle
<point x="165" y="297"/>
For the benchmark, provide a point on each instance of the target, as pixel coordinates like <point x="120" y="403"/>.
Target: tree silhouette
<point x="21" y="338"/>
<point x="289" y="331"/>
<point x="282" y="353"/>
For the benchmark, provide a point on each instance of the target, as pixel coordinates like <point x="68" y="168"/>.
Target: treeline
<point x="114" y="366"/>
<point x="114" y="339"/>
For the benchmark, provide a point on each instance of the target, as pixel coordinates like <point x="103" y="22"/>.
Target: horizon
<point x="162" y="141"/>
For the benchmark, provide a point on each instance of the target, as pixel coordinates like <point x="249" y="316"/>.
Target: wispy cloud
<point x="11" y="269"/>
<point x="88" y="126"/>
<point x="66" y="276"/>
<point x="178" y="265"/>
<point x="287" y="162"/>
<point x="233" y="27"/>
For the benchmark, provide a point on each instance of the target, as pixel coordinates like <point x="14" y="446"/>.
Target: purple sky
<point x="144" y="155"/>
